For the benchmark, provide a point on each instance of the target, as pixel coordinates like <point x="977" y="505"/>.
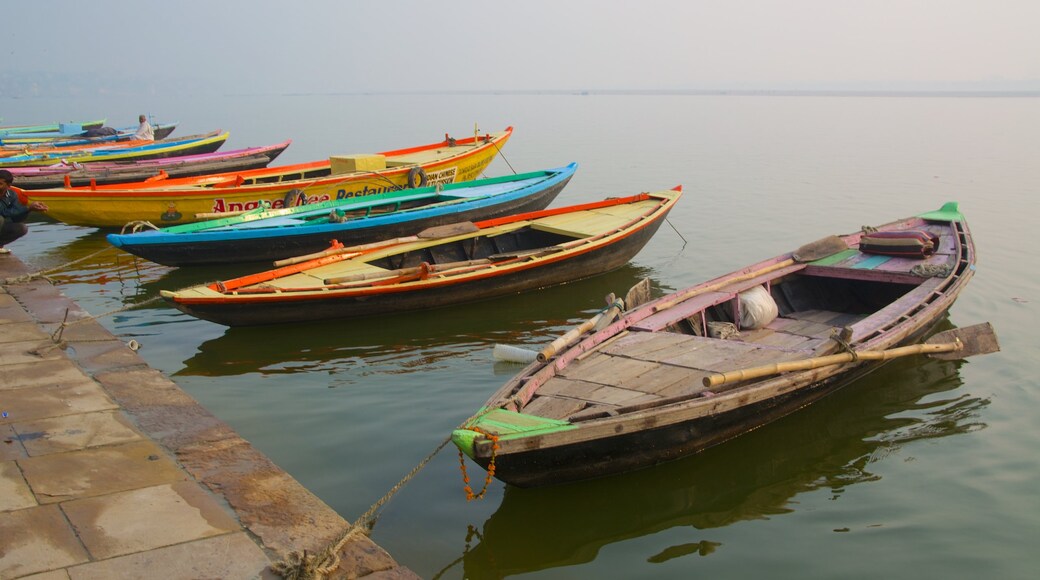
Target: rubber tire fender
<point x="416" y="178"/>
<point x="292" y="196"/>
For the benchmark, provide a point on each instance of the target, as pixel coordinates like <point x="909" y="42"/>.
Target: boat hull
<point x="643" y="390"/>
<point x="131" y="171"/>
<point x="153" y="150"/>
<point x="578" y="267"/>
<point x="645" y="448"/>
<point x="182" y="251"/>
<point x="174" y="204"/>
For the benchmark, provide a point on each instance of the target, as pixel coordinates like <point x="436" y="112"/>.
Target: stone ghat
<point x="109" y="470"/>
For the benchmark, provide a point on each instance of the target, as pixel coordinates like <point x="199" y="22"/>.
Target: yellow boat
<point x="177" y="201"/>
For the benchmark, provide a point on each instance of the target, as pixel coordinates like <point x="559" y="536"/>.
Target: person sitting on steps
<point x="14" y="208"/>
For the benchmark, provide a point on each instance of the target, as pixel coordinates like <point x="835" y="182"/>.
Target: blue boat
<point x="267" y="235"/>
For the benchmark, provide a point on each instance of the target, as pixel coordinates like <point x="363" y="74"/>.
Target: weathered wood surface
<point x="643" y="367"/>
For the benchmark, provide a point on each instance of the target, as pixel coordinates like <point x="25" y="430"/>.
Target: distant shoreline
<point x="708" y="92"/>
<point x="896" y="93"/>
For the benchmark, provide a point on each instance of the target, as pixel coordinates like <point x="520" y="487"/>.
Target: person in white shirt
<point x="144" y="130"/>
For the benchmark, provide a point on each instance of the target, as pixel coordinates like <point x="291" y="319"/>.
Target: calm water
<point x="925" y="465"/>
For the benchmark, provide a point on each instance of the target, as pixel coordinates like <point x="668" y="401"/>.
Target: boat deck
<point x="665" y="356"/>
<point x="643" y="367"/>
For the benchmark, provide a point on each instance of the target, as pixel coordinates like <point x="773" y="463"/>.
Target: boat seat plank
<point x="750" y="283"/>
<point x="586" y="224"/>
<point x="905" y="264"/>
<point x="870" y="262"/>
<point x="856" y="259"/>
<point x="838" y="258"/>
<point x="681" y="311"/>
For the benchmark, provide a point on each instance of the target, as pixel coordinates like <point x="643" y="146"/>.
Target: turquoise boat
<point x="275" y="234"/>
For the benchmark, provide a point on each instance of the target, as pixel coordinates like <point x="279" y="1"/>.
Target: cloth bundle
<point x="904" y="243"/>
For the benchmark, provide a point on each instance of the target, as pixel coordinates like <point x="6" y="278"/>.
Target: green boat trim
<point x="949" y="212"/>
<point x="505" y="425"/>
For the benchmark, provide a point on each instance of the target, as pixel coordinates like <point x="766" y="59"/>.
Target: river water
<point x="924" y="468"/>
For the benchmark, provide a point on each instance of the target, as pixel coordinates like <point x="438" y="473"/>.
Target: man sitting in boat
<point x="144" y="130"/>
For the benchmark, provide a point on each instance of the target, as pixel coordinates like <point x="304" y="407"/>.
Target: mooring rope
<point x="503" y="156"/>
<point x="137" y="225"/>
<point x="41" y="273"/>
<point x="303" y="566"/>
<point x="684" y="242"/>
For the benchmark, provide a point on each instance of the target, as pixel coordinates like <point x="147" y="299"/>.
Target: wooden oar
<point x="951" y="344"/>
<point x="406" y="272"/>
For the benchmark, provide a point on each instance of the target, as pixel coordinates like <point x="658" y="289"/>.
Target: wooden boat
<point x="149" y="150"/>
<point x="51" y="127"/>
<point x="649" y="386"/>
<point x="100" y="173"/>
<point x="268" y="235"/>
<point x="449" y="265"/>
<point x="79" y="138"/>
<point x="190" y="199"/>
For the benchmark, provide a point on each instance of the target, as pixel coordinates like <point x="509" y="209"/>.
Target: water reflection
<point x="829" y="445"/>
<point x="412" y="341"/>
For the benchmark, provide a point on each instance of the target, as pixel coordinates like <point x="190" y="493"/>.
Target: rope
<point x="684" y="242"/>
<point x="843" y="338"/>
<point x="303" y="566"/>
<point x="137" y="225"/>
<point x="503" y="156"/>
<point x="41" y="273"/>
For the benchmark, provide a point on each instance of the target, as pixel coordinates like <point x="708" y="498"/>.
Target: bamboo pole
<point x="571" y="335"/>
<point x="431" y="268"/>
<point x="830" y="360"/>
<point x="345" y="250"/>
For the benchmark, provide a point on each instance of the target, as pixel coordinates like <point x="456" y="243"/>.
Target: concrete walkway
<point x="109" y="470"/>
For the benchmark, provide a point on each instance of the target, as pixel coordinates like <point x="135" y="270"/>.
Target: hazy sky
<point x="302" y="46"/>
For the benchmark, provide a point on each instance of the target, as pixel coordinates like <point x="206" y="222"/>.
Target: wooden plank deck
<point x="646" y="366"/>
